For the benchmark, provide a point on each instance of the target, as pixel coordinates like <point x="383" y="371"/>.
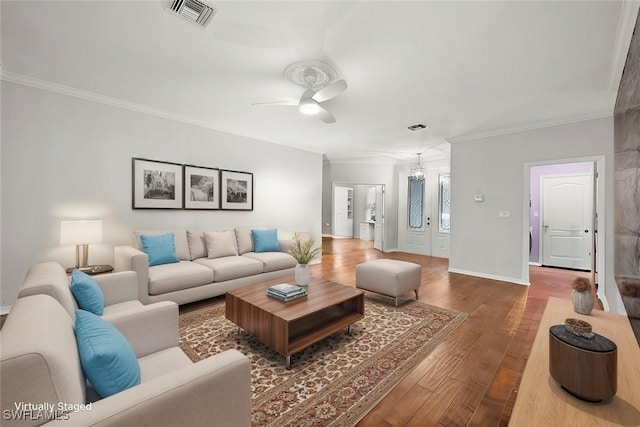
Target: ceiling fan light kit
<point x="321" y="85"/>
<point x="309" y="106"/>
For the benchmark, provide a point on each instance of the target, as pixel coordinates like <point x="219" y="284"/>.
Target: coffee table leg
<point x="288" y="362"/>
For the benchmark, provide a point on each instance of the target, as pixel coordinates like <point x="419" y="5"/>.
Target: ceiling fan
<point x="320" y="82"/>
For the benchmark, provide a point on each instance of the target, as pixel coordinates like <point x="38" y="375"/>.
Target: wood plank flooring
<point x="472" y="377"/>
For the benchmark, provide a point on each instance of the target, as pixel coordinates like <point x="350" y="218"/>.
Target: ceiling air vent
<point x="417" y="127"/>
<point x="193" y="10"/>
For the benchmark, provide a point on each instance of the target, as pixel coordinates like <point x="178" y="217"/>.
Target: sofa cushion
<point x="273" y="261"/>
<point x="220" y="243"/>
<point x="106" y="356"/>
<point x="174" y="277"/>
<point x="265" y="240"/>
<point x="87" y="293"/>
<point x="244" y="238"/>
<point x="231" y="267"/>
<point x="160" y="248"/>
<point x="179" y="240"/>
<point x="197" y="244"/>
<point x="162" y="362"/>
<point x="121" y="307"/>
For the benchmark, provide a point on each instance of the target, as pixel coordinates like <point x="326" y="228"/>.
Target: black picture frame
<point x="201" y="187"/>
<point x="236" y="190"/>
<point x="156" y="184"/>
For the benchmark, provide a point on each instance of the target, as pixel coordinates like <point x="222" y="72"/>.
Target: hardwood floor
<point x="472" y="377"/>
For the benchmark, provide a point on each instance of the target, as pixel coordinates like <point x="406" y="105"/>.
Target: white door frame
<point x="599" y="168"/>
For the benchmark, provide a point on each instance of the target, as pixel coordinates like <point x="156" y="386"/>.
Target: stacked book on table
<point x="286" y="292"/>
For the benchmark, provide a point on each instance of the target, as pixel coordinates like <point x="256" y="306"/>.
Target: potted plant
<point x="303" y="252"/>
<point x="581" y="297"/>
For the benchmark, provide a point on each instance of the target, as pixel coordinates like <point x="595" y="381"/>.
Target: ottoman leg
<point x="416" y="291"/>
<point x="396" y="298"/>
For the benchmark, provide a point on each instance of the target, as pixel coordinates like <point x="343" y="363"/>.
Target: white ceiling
<point x="463" y="68"/>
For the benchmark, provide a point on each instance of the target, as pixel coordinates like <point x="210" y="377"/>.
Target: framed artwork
<point x="236" y="190"/>
<point x="156" y="185"/>
<point x="201" y="188"/>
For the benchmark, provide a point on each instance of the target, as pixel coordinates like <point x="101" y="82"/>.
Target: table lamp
<point x="81" y="233"/>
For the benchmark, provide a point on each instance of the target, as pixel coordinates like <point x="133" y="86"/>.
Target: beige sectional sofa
<point x="204" y="269"/>
<point x="40" y="366"/>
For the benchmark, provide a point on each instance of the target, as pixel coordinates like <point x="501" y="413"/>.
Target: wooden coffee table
<point x="288" y="327"/>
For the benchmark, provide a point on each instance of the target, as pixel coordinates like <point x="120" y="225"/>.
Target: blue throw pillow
<point x="265" y="240"/>
<point x="87" y="293"/>
<point x="160" y="248"/>
<point x="107" y="359"/>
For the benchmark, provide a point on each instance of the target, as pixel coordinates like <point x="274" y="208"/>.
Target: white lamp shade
<point x="80" y="232"/>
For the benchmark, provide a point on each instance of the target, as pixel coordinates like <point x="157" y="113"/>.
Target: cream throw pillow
<point x="220" y="243"/>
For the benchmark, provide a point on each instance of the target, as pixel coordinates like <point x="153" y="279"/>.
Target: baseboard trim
<point x="5" y="309"/>
<point x="535" y="264"/>
<point x="489" y="276"/>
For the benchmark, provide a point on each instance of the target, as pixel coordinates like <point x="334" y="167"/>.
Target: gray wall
<point x="70" y="158"/>
<point x="483" y="244"/>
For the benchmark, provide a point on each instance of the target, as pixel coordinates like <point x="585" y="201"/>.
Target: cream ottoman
<point x="389" y="277"/>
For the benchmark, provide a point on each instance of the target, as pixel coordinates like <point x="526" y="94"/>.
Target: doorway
<point x="359" y="212"/>
<point x="564" y="214"/>
<point x="424" y="228"/>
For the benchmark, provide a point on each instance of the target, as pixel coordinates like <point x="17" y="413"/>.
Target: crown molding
<point x="527" y="127"/>
<point x="626" y="25"/>
<point x="119" y="103"/>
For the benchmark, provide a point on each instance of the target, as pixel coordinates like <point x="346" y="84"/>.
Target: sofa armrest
<point x="118" y="287"/>
<point x="128" y="258"/>
<point x="212" y="392"/>
<point x="149" y="329"/>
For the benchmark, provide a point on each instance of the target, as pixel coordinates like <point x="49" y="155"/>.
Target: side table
<point x="92" y="269"/>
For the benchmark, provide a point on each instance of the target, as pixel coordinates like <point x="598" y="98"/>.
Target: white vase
<point x="301" y="273"/>
<point x="582" y="302"/>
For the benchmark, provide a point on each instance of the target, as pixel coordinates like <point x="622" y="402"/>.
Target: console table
<point x="541" y="400"/>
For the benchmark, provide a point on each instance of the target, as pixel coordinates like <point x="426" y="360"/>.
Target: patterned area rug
<point x="336" y="381"/>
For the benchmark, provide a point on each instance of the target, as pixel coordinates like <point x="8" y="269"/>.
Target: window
<point x="444" y="202"/>
<point x="415" y="202"/>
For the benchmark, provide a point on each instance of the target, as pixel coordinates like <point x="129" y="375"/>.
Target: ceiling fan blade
<point x="330" y="91"/>
<point x="285" y="102"/>
<point x="325" y="116"/>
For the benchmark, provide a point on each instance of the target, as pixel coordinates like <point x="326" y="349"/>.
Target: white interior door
<point x="414" y="235"/>
<point x="567" y="221"/>
<point x="342" y="212"/>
